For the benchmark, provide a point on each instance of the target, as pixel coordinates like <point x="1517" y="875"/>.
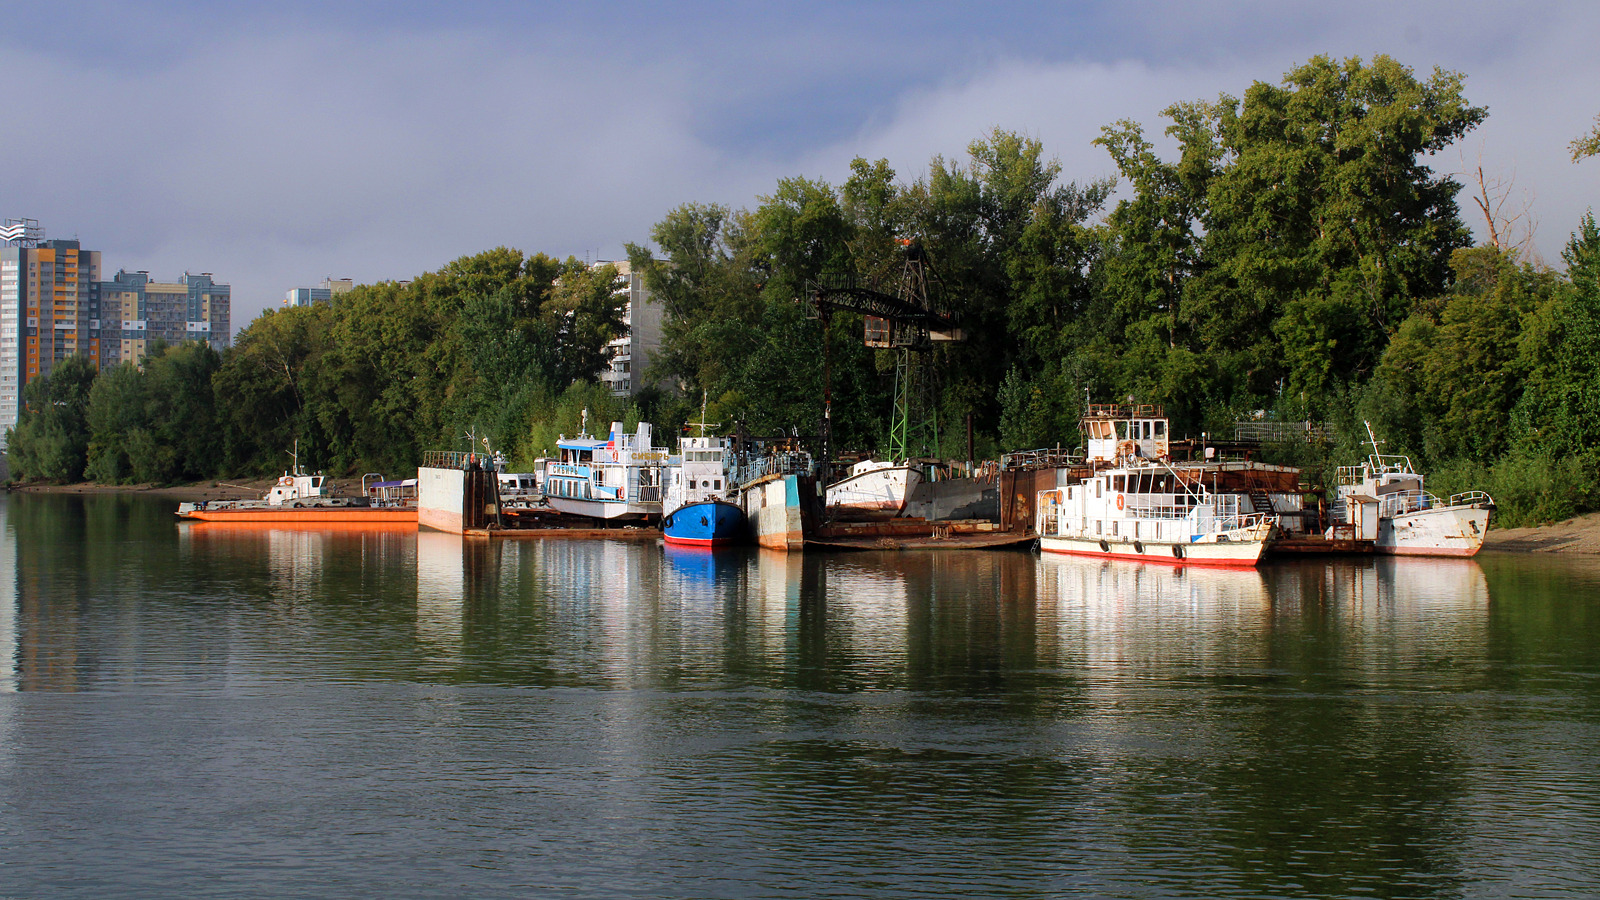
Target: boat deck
<point x="1317" y="545"/>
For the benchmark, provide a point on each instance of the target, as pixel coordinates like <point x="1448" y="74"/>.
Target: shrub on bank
<point x="1527" y="489"/>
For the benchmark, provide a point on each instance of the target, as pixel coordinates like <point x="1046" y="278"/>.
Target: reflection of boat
<point x="695" y="509"/>
<point x="1411" y="521"/>
<point x="249" y="527"/>
<point x="697" y="568"/>
<point x="1122" y="584"/>
<point x="302" y="498"/>
<point x="875" y="486"/>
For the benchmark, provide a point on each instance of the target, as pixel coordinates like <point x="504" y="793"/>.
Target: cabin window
<point x="1121" y="483"/>
<point x="1136" y="531"/>
<point x="1113" y="528"/>
<point x="1161" y="428"/>
<point x="717" y="485"/>
<point x="1069" y="493"/>
<point x="1097" y="484"/>
<point x="1097" y="525"/>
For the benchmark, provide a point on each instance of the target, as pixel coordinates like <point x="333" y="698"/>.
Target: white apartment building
<point x="631" y="355"/>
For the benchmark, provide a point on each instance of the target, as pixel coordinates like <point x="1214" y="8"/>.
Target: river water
<point x="203" y="711"/>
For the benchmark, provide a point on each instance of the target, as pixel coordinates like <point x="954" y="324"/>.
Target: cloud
<point x="274" y="152"/>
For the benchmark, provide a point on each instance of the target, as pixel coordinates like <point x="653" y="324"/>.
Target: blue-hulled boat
<point x="695" y="509"/>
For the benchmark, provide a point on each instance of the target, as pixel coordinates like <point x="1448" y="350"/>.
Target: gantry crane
<point x="906" y="322"/>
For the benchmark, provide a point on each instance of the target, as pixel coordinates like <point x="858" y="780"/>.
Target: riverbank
<point x="241" y="489"/>
<point x="1576" y="535"/>
<point x="1579" y="535"/>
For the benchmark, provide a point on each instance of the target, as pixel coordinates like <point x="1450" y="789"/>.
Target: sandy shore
<point x="1578" y="535"/>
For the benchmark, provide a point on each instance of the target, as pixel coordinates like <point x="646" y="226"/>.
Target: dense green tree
<point x="1450" y="379"/>
<point x="1559" y="411"/>
<point x="116" y="408"/>
<point x="51" y="439"/>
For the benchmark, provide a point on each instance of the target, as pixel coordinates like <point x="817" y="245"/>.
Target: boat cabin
<point x="699" y="471"/>
<point x="300" y="486"/>
<point x="1118" y="433"/>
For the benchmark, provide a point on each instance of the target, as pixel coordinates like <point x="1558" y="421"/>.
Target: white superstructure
<point x="1150" y="512"/>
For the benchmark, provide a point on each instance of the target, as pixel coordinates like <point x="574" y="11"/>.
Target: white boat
<point x="1135" y="505"/>
<point x="1409" y="520"/>
<point x="615" y="478"/>
<point x="876" y="486"/>
<point x="1150" y="512"/>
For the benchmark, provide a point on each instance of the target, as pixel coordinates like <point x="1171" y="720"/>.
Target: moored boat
<point x="301" y="498"/>
<point x="618" y="478"/>
<point x="695" y="508"/>
<point x="1411" y="521"/>
<point x="874" y="486"/>
<point x="1150" y="512"/>
<point x="1128" y="501"/>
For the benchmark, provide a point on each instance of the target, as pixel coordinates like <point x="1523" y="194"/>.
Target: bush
<point x="1527" y="489"/>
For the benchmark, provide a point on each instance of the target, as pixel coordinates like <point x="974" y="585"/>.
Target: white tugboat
<point x="1411" y="521"/>
<point x="1135" y="505"/>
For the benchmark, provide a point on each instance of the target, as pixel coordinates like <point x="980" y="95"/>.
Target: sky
<point x="275" y="147"/>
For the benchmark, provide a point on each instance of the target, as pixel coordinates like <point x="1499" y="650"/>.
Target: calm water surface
<point x="205" y="711"/>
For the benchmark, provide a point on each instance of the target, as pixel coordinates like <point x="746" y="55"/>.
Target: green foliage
<point x="51" y="439"/>
<point x="1527" y="489"/>
<point x="1588" y="145"/>
<point x="1449" y="381"/>
<point x="158" y="422"/>
<point x="1558" y="413"/>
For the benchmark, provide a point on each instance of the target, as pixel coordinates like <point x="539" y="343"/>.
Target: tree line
<point x="499" y="345"/>
<point x="1296" y="256"/>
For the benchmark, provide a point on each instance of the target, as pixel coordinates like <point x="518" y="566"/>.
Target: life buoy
<point x="1119" y="501"/>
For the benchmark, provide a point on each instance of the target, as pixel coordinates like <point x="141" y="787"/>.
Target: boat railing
<point x="1349" y="476"/>
<point x="748" y="469"/>
<point x="1390" y="465"/>
<point x="452" y="459"/>
<point x="1152" y="511"/>
<point x="649" y="493"/>
<point x="1471" y="498"/>
<point x="1400" y="503"/>
<point x="1235" y="522"/>
<point x="1046" y="458"/>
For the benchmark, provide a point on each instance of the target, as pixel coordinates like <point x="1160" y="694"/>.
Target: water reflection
<point x="955" y="724"/>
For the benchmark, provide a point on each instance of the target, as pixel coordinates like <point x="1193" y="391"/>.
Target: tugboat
<point x="1411" y="521"/>
<point x="696" y="509"/>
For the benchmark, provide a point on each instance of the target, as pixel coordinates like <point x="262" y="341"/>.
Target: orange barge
<point x="305" y="499"/>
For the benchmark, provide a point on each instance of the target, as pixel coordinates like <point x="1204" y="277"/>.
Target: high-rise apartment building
<point x="49" y="308"/>
<point x="138" y="311"/>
